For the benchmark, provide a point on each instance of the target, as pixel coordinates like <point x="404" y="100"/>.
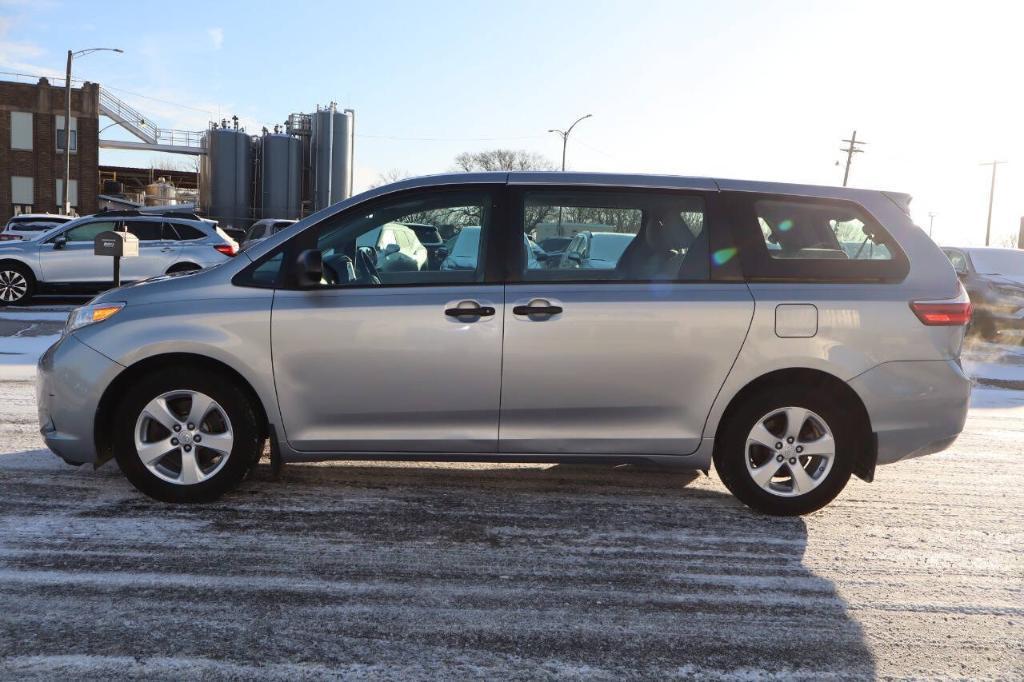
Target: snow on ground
<point x="424" y="570"/>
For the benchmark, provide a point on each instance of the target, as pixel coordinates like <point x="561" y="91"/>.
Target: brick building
<point x="31" y="148"/>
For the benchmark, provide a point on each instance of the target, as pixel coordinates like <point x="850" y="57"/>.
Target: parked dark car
<point x="430" y="237"/>
<point x="994" y="279"/>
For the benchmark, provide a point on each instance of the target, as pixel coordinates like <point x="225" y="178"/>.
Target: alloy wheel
<point x="13" y="286"/>
<point x="790" y="451"/>
<point x="183" y="437"/>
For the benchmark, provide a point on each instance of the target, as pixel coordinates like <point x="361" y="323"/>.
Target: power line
<point x="850" y="150"/>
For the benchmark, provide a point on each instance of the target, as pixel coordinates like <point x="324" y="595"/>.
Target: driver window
<point x="355" y="249"/>
<point x="88" y="232"/>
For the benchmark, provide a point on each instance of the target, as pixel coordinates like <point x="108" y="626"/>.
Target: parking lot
<point x="515" y="571"/>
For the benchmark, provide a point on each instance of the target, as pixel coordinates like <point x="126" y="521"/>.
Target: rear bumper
<point x="70" y="379"/>
<point x="916" y="408"/>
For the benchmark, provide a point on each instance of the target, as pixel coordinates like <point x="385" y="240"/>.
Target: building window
<point x="60" y="133"/>
<point x="60" y="193"/>
<point x="22" y="190"/>
<point x="21" y="130"/>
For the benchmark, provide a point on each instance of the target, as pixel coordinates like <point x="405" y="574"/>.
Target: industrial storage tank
<point x="161" y="193"/>
<point x="280" y="173"/>
<point x="225" y="178"/>
<point x="331" y="149"/>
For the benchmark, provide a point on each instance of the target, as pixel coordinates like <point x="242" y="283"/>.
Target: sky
<point x="755" y="90"/>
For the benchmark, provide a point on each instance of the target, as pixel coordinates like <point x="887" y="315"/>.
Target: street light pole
<point x="991" y="198"/>
<point x="67" y="120"/>
<point x="931" y="222"/>
<point x="565" y="136"/>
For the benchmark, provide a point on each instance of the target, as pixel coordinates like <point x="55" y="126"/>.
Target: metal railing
<point x="143" y="128"/>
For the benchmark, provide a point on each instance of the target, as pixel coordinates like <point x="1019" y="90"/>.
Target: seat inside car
<point x="665" y="248"/>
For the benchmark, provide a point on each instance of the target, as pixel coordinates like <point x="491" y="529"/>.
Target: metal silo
<point x="280" y="169"/>
<point x="226" y="177"/>
<point x="331" y="151"/>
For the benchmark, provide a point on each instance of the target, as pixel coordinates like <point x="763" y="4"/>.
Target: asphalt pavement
<point x="412" y="571"/>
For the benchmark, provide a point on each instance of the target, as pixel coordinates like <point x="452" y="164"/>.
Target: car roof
<point x="42" y="216"/>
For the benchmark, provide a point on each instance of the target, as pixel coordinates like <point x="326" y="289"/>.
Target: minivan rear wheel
<point x="182" y="435"/>
<point x="786" y="450"/>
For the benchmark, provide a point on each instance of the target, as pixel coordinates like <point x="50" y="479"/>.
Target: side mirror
<point x="309" y="268"/>
<point x="442" y="252"/>
<point x="574" y="256"/>
<point x="60" y="242"/>
<point x="542" y="257"/>
<point x="391" y="249"/>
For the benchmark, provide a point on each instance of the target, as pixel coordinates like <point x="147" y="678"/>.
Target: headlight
<point x="91" y="314"/>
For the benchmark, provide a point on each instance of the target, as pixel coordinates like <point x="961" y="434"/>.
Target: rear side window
<point x="614" y="236"/>
<point x="180" y="232"/>
<point x="797" y="239"/>
<point x="146" y="231"/>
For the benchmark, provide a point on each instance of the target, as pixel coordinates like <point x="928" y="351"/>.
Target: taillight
<point x="942" y="313"/>
<point x="9" y="238"/>
<point x="226" y="249"/>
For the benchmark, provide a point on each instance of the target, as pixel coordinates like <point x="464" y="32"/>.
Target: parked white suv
<point x="61" y="260"/>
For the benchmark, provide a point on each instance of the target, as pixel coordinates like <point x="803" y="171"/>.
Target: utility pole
<point x="991" y="198"/>
<point x="565" y="136"/>
<point x="931" y="222"/>
<point x="67" y="120"/>
<point x="850" y="150"/>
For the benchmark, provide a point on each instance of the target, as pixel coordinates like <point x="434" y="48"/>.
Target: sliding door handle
<point x="537" y="310"/>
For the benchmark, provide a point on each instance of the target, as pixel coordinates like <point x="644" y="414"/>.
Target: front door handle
<point x="470" y="311"/>
<point x="537" y="310"/>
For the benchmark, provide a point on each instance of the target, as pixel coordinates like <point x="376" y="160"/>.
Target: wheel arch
<point x="103" y="432"/>
<point x="183" y="266"/>
<point x="7" y="260"/>
<point x="867" y="456"/>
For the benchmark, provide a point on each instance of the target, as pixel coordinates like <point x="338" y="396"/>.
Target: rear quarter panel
<point x="860" y="326"/>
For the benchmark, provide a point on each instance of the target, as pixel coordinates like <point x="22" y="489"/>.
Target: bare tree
<point x="502" y="160"/>
<point x="389" y="176"/>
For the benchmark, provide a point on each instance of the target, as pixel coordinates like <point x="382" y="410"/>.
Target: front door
<point x="75" y="262"/>
<point x="625" y="358"/>
<point x="392" y="361"/>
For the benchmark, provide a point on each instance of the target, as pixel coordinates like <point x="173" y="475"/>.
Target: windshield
<point x="609" y="247"/>
<point x="998" y="262"/>
<point x="467" y="243"/>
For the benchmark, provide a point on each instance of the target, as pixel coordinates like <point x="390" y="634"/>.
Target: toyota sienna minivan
<point x="791" y="335"/>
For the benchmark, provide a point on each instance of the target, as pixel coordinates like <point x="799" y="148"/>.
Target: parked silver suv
<point x="62" y="260"/>
<point x="737" y="327"/>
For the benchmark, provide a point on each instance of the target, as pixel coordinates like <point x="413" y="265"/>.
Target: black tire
<point x="245" y="450"/>
<point x="730" y="455"/>
<point x="11" y="285"/>
<point x="182" y="267"/>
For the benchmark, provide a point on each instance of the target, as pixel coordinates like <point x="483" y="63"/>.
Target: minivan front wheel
<point x="786" y="451"/>
<point x="186" y="436"/>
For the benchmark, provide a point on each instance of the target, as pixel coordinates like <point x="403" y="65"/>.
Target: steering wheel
<point x="366" y="269"/>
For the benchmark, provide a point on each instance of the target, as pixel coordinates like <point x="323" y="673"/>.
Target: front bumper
<point x="916" y="407"/>
<point x="70" y="379"/>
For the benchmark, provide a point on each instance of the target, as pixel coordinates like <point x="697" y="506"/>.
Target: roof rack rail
<point x="188" y="214"/>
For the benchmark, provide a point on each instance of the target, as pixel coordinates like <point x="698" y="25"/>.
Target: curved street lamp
<point x="565" y="136"/>
<point x="67" y="119"/>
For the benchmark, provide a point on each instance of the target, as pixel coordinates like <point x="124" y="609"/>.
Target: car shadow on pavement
<point x="413" y="571"/>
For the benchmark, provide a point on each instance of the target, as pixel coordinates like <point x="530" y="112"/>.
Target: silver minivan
<point x="792" y="335"/>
